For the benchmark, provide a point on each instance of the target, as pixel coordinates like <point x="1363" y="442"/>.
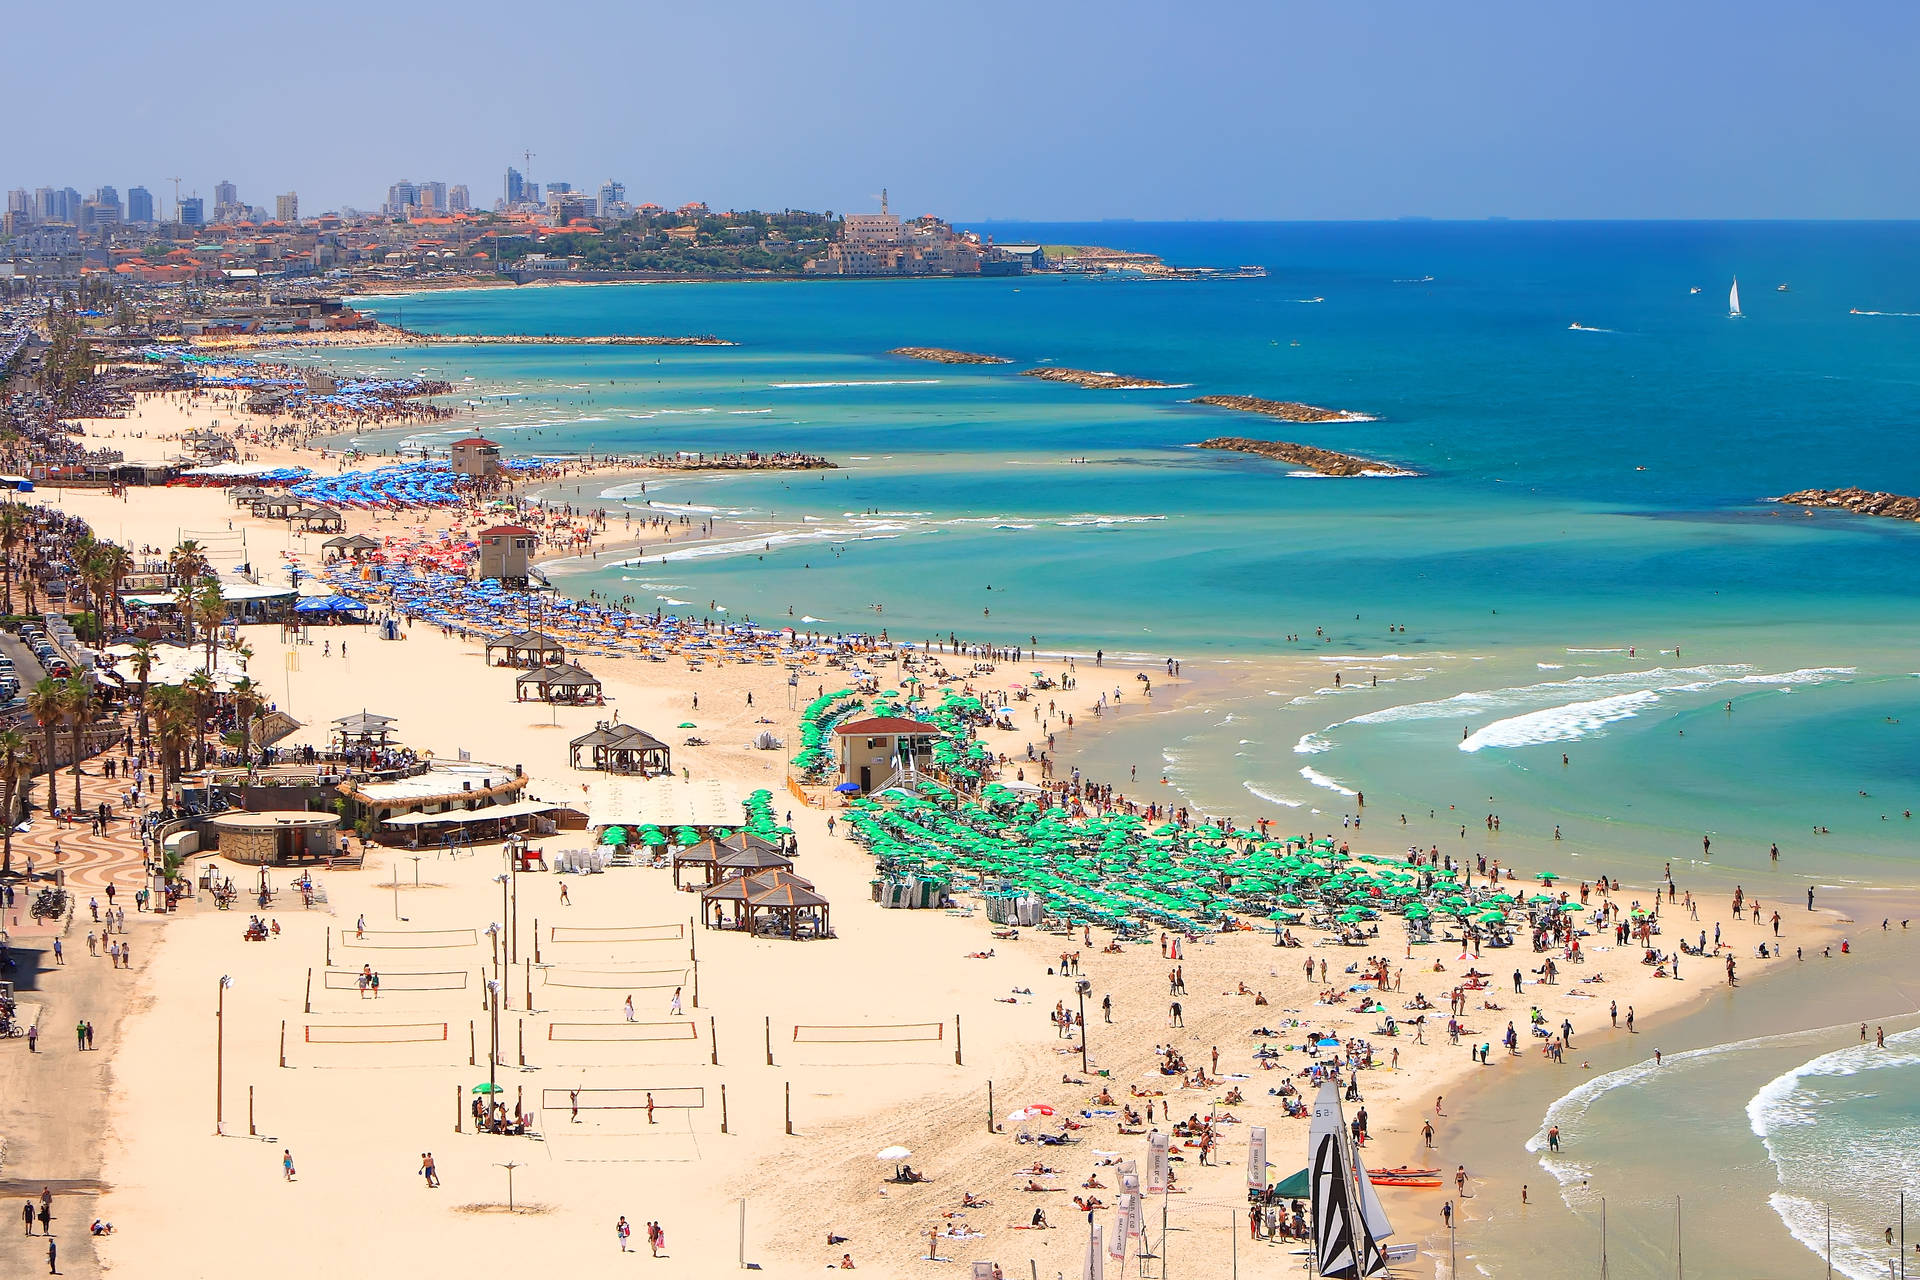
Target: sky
<point x="1346" y="109"/>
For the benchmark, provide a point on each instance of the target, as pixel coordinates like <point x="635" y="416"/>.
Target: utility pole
<point x="220" y="1055"/>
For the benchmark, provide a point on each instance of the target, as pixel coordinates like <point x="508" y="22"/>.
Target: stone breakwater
<point x="387" y="335"/>
<point x="1286" y="410"/>
<point x="1305" y="456"/>
<point x="1094" y="380"/>
<point x="1861" y="502"/>
<point x="943" y="355"/>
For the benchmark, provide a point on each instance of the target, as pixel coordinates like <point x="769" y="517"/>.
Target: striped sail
<point x="1343" y="1247"/>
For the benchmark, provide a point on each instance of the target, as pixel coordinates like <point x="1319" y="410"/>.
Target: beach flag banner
<point x="1117" y="1242"/>
<point x="1257" y="1157"/>
<point x="1095" y="1267"/>
<point x="982" y="1270"/>
<point x="1156" y="1163"/>
<point x="1137" y="1218"/>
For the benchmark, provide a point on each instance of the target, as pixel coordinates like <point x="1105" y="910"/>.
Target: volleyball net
<point x="624" y="1032"/>
<point x="671" y="1098"/>
<point x="409" y="939"/>
<point x="350" y="980"/>
<point x="374" y="1032"/>
<point x="613" y="979"/>
<point x="871" y="1033"/>
<point x="618" y="933"/>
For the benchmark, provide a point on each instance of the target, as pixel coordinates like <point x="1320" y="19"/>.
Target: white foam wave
<point x="1272" y="798"/>
<point x="1312" y="744"/>
<point x="1319" y="779"/>
<point x="1551" y="666"/>
<point x="1567" y="723"/>
<point x="870" y="382"/>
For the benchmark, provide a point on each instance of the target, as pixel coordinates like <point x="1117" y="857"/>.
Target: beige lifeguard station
<point x="883" y="751"/>
<point x="506" y="552"/>
<point x="476" y="458"/>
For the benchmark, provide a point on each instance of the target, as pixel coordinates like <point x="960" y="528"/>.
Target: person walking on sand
<point x="650" y="1119"/>
<point x="629" y="1008"/>
<point x="26" y="1216"/>
<point x="656" y="1237"/>
<point x="427" y="1169"/>
<point x="53" y="1258"/>
<point x="286" y="1163"/>
<point x="622" y="1230"/>
<point x="673" y="1005"/>
<point x="1426" y="1131"/>
<point x="565" y="901"/>
<point x="573" y="1106"/>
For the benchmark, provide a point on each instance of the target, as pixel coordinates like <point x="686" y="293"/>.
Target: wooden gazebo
<point x="526" y="649"/>
<point x="563" y="683"/>
<point x="362" y="730"/>
<point x="790" y="899"/>
<point x="705" y="854"/>
<point x="752" y="861"/>
<point x="351" y="544"/>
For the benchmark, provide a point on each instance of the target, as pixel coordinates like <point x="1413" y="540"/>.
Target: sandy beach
<point x="357" y="1119"/>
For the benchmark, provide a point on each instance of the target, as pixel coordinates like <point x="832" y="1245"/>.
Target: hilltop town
<point x="432" y="234"/>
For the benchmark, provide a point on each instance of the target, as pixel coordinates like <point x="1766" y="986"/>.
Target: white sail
<point x="1371" y="1209"/>
<point x="1343" y="1247"/>
<point x="1733" y="298"/>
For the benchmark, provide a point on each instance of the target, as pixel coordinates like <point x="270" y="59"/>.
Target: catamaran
<point x="1733" y="298"/>
<point x="1348" y="1220"/>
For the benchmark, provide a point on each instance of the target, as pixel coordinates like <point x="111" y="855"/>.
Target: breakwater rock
<point x="1306" y="457"/>
<point x="1094" y="380"/>
<point x="944" y="355"/>
<point x="1287" y="410"/>
<point x="1861" y="502"/>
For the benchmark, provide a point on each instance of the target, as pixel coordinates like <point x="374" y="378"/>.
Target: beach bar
<point x="875" y="752"/>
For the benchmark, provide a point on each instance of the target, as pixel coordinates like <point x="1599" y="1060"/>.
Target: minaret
<point x="883" y="200"/>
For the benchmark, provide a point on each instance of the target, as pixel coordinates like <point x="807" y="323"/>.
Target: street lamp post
<point x="416" y="871"/>
<point x="502" y="880"/>
<point x="1081" y="988"/>
<point x="493" y="1037"/>
<point x="220" y="1055"/>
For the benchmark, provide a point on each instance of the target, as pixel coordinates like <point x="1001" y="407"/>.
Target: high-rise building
<point x="458" y="201"/>
<point x="19" y="203"/>
<point x="43" y="204"/>
<point x="286" y="207"/>
<point x="139" y="205"/>
<point x="516" y="187"/>
<point x="225" y="194"/>
<point x="530" y="192"/>
<point x="613" y="199"/>
<point x="559" y="188"/>
<point x="433" y="196"/>
<point x="402" y="196"/>
<point x="193" y="211"/>
<point x="109" y="196"/>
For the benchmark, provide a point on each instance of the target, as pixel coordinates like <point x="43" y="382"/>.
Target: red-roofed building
<point x="506" y="551"/>
<point x="880" y="750"/>
<point x="476" y="458"/>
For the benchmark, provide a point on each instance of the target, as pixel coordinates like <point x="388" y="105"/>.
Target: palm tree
<point x="119" y="563"/>
<point x="173" y="726"/>
<point x="188" y="561"/>
<point x="209" y="609"/>
<point x="200" y="691"/>
<point x="48" y="707"/>
<point x="13" y="531"/>
<point x="16" y="768"/>
<point x="142" y="659"/>
<point x="247" y="700"/>
<point x="78" y="697"/>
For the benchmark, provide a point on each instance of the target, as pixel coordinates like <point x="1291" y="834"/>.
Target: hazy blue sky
<point x="1342" y="109"/>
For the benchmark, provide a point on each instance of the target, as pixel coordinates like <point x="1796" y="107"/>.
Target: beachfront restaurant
<point x="246" y="601"/>
<point x="874" y="751"/>
<point x="442" y="798"/>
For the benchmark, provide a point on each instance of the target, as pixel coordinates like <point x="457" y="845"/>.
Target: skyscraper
<point x="613" y="198"/>
<point x="458" y="201"/>
<point x="402" y="196"/>
<point x="193" y="211"/>
<point x="139" y="205"/>
<point x="433" y="196"/>
<point x="43" y="204"/>
<point x="225" y="194"/>
<point x="20" y="203"/>
<point x="516" y="187"/>
<point x="286" y="207"/>
<point x="110" y="197"/>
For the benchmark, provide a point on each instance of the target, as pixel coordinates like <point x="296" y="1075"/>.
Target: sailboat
<point x="1348" y="1220"/>
<point x="1733" y="298"/>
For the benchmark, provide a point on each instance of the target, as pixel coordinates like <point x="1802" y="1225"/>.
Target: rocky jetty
<point x="1094" y="380"/>
<point x="1305" y="456"/>
<point x="1287" y="410"/>
<point x="943" y="355"/>
<point x="1861" y="502"/>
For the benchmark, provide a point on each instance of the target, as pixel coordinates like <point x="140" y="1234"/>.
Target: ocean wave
<point x="873" y="382"/>
<point x="1271" y="798"/>
<point x="1568" y="723"/>
<point x="1312" y="744"/>
<point x="1079" y="520"/>
<point x="1551" y="666"/>
<point x="1319" y="779"/>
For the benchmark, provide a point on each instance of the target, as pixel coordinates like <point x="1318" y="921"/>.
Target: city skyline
<point x="1238" y="111"/>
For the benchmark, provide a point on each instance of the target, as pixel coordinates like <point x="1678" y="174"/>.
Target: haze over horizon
<point x="1146" y="111"/>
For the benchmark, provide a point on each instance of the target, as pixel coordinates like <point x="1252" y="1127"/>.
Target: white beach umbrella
<point x="893" y="1153"/>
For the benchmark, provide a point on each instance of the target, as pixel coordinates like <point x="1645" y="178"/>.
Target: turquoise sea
<point x="1585" y="567"/>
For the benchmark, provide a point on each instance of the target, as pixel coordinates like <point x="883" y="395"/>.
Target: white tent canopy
<point x="487" y="813"/>
<point x="664" y="802"/>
